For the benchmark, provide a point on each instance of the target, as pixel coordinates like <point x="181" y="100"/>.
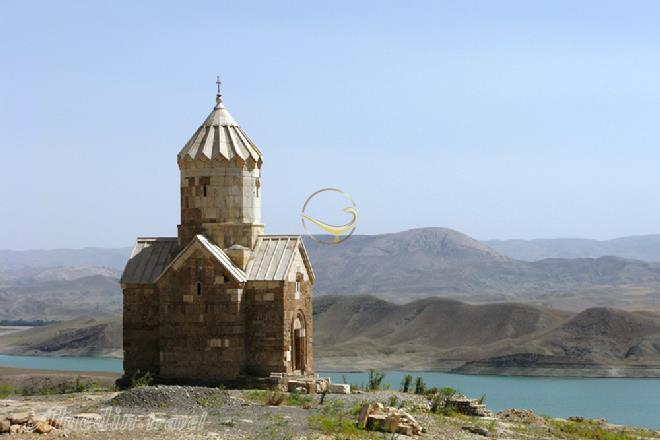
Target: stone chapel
<point x="222" y="300"/>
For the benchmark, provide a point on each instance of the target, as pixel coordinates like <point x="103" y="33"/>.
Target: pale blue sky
<point x="501" y="119"/>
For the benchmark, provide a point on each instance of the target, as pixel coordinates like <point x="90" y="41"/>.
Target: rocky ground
<point x="166" y="412"/>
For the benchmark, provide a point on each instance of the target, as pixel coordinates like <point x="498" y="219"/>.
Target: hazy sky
<point x="500" y="119"/>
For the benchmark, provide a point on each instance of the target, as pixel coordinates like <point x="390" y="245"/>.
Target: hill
<point x="86" y="336"/>
<point x="58" y="293"/>
<point x="361" y="332"/>
<point x="433" y="322"/>
<point x="114" y="258"/>
<point x="641" y="247"/>
<point x="399" y="267"/>
<point x="503" y="338"/>
<point x="439" y="261"/>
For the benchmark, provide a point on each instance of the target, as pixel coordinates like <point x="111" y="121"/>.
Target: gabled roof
<point x="220" y="137"/>
<point x="202" y="243"/>
<point x="273" y="256"/>
<point x="149" y="257"/>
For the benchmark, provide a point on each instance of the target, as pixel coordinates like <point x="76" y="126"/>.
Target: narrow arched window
<point x="298" y="280"/>
<point x="199" y="288"/>
<point x="204" y="190"/>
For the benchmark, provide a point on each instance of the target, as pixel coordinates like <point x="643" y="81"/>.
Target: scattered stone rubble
<point x="469" y="407"/>
<point x="339" y="388"/>
<point x="312" y="384"/>
<point x="302" y="386"/>
<point x="19" y="423"/>
<point x="479" y="430"/>
<point x="520" y="416"/>
<point x="186" y="398"/>
<point x="376" y="417"/>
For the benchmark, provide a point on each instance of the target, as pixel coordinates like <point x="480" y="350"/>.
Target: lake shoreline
<point x="6" y="371"/>
<point x="574" y="371"/>
<point x="577" y="371"/>
<point x="566" y="372"/>
<point x="522" y="374"/>
<point x="559" y="396"/>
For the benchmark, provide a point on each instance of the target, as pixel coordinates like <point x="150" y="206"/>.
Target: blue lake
<point x="626" y="401"/>
<point x="633" y="402"/>
<point x="63" y="363"/>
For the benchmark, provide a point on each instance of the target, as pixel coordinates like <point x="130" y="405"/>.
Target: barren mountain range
<point x="429" y="298"/>
<point x="400" y="267"/>
<point x="640" y="247"/>
<point x="59" y="293"/>
<point x="441" y="262"/>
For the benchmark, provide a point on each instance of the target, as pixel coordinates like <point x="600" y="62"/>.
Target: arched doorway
<point x="299" y="343"/>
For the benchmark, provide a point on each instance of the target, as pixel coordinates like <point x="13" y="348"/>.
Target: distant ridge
<point x="641" y="247"/>
<point x="59" y="293"/>
<point x="418" y="263"/>
<point x="110" y="257"/>
<point x="401" y="267"/>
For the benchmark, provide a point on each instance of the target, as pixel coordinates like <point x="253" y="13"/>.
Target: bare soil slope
<point x="80" y="337"/>
<point x="443" y="334"/>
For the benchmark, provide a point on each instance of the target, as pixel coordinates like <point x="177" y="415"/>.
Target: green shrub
<point x="141" y="380"/>
<point x="49" y="387"/>
<point x="440" y="400"/>
<point x="256" y="395"/>
<point x="375" y="379"/>
<point x="6" y="390"/>
<point x="213" y="401"/>
<point x="297" y="399"/>
<point x="334" y="420"/>
<point x="420" y="386"/>
<point x="431" y="391"/>
<point x="440" y="405"/>
<point x="274" y="398"/>
<point x="589" y="429"/>
<point x="80" y="386"/>
<point x="356" y="387"/>
<point x="406" y="382"/>
<point x="449" y="392"/>
<point x="394" y="400"/>
<point x="357" y="407"/>
<point x="334" y="424"/>
<point x="437" y="403"/>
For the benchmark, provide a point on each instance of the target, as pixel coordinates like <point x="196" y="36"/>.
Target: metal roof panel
<point x="148" y="259"/>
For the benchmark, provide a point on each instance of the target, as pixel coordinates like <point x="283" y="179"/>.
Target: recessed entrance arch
<point x="299" y="343"/>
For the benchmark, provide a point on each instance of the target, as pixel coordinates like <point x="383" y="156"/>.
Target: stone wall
<point x="265" y="327"/>
<point x="141" y="329"/>
<point x="198" y="324"/>
<point x="221" y="199"/>
<point x="202" y="316"/>
<point x="295" y="305"/>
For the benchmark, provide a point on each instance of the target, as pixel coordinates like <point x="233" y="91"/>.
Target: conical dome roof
<point x="220" y="137"/>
